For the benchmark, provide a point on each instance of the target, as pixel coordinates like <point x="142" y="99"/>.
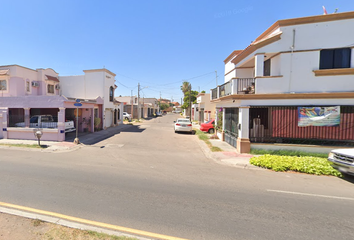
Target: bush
<point x="303" y="164"/>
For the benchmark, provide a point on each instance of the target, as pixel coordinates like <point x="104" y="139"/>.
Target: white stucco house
<point x="295" y="66"/>
<point x="94" y="83"/>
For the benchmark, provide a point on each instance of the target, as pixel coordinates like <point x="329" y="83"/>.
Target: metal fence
<point x="280" y="125"/>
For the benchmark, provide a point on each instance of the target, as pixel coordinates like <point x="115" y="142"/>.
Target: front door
<point x="231" y="126"/>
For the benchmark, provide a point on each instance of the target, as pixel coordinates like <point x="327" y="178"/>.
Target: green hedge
<point x="304" y="164"/>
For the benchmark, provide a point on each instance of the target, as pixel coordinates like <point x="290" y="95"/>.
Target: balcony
<point x="233" y="87"/>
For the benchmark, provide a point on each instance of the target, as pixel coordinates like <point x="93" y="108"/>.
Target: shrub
<point x="303" y="164"/>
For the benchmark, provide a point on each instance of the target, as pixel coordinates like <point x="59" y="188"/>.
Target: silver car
<point x="342" y="160"/>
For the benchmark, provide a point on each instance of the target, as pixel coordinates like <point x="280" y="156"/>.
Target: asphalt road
<point x="149" y="178"/>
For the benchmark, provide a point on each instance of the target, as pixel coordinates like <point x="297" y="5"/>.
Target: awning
<point x="52" y="78"/>
<point x="4" y="72"/>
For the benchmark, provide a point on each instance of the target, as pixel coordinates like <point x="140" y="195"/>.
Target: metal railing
<point x="214" y="93"/>
<point x="246" y="86"/>
<point x="225" y="89"/>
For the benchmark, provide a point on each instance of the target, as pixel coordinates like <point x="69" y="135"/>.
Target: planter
<point x="220" y="135"/>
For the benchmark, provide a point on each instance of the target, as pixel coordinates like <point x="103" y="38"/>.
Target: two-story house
<point x="287" y="84"/>
<point x="27" y="92"/>
<point x="94" y="83"/>
<point x="204" y="109"/>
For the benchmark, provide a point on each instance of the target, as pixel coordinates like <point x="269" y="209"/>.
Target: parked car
<point x="342" y="160"/>
<point x="127" y="116"/>
<point x="159" y="114"/>
<point x="46" y="121"/>
<point x="209" y="126"/>
<point x="183" y="125"/>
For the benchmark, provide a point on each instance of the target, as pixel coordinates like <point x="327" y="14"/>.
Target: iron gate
<point x="231" y="126"/>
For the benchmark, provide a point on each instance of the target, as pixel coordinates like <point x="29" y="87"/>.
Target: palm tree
<point x="185" y="87"/>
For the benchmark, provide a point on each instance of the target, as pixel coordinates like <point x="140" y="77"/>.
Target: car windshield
<point x="210" y="121"/>
<point x="183" y="120"/>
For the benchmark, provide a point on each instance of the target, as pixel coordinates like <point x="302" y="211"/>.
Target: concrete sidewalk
<point x="228" y="155"/>
<point x="68" y="144"/>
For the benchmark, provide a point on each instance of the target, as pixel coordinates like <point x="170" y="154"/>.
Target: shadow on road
<point x="88" y="138"/>
<point x="348" y="178"/>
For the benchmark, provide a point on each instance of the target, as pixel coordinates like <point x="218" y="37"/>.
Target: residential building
<point x="204" y="109"/>
<point x="148" y="106"/>
<point x="27" y="92"/>
<point x="296" y="65"/>
<point x="94" y="83"/>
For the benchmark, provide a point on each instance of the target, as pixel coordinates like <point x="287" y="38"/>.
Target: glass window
<point x="335" y="58"/>
<point x="50" y="88"/>
<point x="111" y="94"/>
<point x="266" y="68"/>
<point x="27" y="86"/>
<point x="3" y="85"/>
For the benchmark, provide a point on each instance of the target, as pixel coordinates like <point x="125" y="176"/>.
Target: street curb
<point x="66" y="223"/>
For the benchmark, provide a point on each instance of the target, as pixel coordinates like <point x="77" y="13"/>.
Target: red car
<point x="209" y="126"/>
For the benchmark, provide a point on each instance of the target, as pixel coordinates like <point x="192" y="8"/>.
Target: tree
<point x="193" y="99"/>
<point x="185" y="87"/>
<point x="164" y="106"/>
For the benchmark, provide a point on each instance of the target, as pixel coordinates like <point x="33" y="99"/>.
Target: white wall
<point x="297" y="67"/>
<point x="245" y="73"/>
<point x="73" y="86"/>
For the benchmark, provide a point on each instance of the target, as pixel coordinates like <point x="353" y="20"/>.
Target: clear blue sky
<point x="158" y="43"/>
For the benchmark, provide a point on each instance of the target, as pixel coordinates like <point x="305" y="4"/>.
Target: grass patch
<point x="303" y="164"/>
<point x="97" y="235"/>
<point x="204" y="137"/>
<point x="37" y="222"/>
<point x="24" y="145"/>
<point x="288" y="153"/>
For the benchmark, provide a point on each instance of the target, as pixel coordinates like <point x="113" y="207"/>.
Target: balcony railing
<point x="233" y="87"/>
<point x="246" y="85"/>
<point x="225" y="89"/>
<point x="214" y="93"/>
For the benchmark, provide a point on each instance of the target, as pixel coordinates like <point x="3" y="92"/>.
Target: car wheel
<point x="126" y="118"/>
<point x="211" y="130"/>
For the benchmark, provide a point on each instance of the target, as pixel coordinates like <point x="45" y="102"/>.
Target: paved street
<point x="149" y="178"/>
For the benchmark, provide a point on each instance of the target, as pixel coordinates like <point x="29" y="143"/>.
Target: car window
<point x="183" y="120"/>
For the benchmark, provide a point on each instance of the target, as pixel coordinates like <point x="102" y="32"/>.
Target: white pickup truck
<point x="342" y="160"/>
<point x="46" y="121"/>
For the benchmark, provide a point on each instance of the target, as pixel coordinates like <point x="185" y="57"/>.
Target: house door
<point x="231" y="126"/>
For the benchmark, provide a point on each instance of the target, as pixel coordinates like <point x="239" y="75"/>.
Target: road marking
<point x="312" y="195"/>
<point x="93" y="223"/>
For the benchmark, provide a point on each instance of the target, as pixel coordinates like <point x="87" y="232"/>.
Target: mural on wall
<point x="319" y="116"/>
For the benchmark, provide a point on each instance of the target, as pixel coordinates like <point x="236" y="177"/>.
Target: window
<point x="3" y="85"/>
<point x="266" y="68"/>
<point x="27" y="86"/>
<point x="335" y="58"/>
<point x="96" y="112"/>
<point x="50" y="88"/>
<point x="111" y="94"/>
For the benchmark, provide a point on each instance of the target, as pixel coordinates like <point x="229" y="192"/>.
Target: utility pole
<point x="138" y="101"/>
<point x="190" y="103"/>
<point x="216" y="77"/>
<point x="160" y="103"/>
<point x="131" y="104"/>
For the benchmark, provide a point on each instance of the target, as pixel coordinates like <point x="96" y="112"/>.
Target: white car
<point x="342" y="160"/>
<point x="183" y="125"/>
<point x="127" y="116"/>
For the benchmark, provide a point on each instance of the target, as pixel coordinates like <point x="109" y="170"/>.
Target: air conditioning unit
<point x="35" y="84"/>
<point x="57" y="87"/>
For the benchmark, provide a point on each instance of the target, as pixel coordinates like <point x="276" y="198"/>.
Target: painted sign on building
<point x="318" y="116"/>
